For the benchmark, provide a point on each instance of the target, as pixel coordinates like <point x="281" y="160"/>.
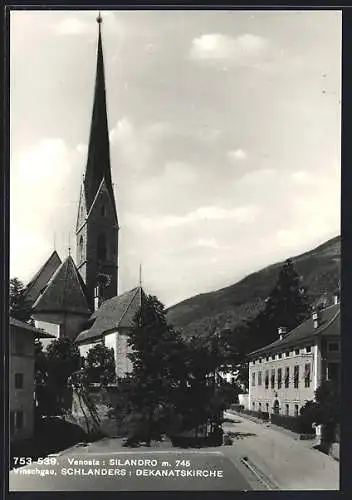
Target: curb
<point x="259" y="474"/>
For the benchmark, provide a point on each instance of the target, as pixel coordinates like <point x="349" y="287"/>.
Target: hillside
<point x="319" y="268"/>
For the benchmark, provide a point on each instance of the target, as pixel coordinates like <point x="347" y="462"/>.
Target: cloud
<point x="242" y="50"/>
<point x="83" y="24"/>
<point x="212" y="244"/>
<point x="258" y="176"/>
<point x="136" y="144"/>
<point x="74" y="26"/>
<point x="237" y="154"/>
<point x="180" y="173"/>
<point x="301" y="177"/>
<point x="45" y="179"/>
<point x="238" y="215"/>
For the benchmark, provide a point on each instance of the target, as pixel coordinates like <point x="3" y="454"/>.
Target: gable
<point x="103" y="201"/>
<point x="65" y="292"/>
<point x="41" y="278"/>
<point x="82" y="210"/>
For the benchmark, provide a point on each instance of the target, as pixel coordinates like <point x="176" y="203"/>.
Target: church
<point x="80" y="300"/>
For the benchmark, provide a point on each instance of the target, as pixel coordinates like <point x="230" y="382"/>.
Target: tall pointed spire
<point x="140" y="275"/>
<point x="98" y="161"/>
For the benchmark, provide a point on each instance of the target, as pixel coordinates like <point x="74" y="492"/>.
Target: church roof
<point x="114" y="313"/>
<point x="98" y="160"/>
<point x="65" y="292"/>
<point x="329" y="325"/>
<point x="42" y="276"/>
<point x="39" y="333"/>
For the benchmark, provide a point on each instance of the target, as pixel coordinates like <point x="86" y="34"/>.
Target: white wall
<point x="291" y="395"/>
<point x="22" y="399"/>
<point x="243" y="400"/>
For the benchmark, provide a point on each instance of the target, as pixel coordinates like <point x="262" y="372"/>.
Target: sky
<point x="224" y="130"/>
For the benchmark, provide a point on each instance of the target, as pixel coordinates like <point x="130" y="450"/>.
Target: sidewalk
<point x="290" y="463"/>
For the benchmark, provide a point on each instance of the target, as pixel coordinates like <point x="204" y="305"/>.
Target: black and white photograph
<point x="174" y="292"/>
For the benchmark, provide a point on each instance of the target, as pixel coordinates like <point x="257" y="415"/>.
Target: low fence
<point x="294" y="424"/>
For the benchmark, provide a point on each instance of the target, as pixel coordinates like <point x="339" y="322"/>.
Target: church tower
<point x="97" y="223"/>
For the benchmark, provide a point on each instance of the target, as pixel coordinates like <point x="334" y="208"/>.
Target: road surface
<point x="167" y="470"/>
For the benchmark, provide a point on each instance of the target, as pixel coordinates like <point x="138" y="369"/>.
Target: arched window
<point x="81" y="251"/>
<point x="101" y="248"/>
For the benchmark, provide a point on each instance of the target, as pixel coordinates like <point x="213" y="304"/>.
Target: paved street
<point x="291" y="464"/>
<point x="275" y="461"/>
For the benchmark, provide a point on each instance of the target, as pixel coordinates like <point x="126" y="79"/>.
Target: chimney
<point x="96" y="297"/>
<point x="315" y="319"/>
<point x="282" y="331"/>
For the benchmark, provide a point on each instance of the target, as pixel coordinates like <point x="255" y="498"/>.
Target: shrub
<point x="295" y="424"/>
<point x="258" y="414"/>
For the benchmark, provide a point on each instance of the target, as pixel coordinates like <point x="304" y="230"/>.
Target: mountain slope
<point x="319" y="268"/>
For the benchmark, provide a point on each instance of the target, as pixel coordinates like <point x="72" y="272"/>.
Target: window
<point x="18" y="380"/>
<point x="279" y="378"/>
<point x="260" y="360"/>
<point x="253" y="405"/>
<point x="333" y="372"/>
<point x="253" y="379"/>
<point x="296" y="410"/>
<point x="259" y="378"/>
<point x="296" y="376"/>
<point x="296" y="352"/>
<point x="96" y="297"/>
<point x="287" y="354"/>
<point x="260" y="407"/>
<point x="309" y="348"/>
<point x="280" y="355"/>
<point x="81" y="250"/>
<point x="333" y="347"/>
<point x="267" y="379"/>
<point x="267" y="358"/>
<point x="267" y="407"/>
<point x="101" y="248"/>
<point x="287" y="409"/>
<point x="307" y="375"/>
<point x="272" y="379"/>
<point x="287" y="377"/>
<point x="16" y="421"/>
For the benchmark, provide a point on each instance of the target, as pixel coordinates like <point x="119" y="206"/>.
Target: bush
<point x="294" y="424"/>
<point x="258" y="414"/>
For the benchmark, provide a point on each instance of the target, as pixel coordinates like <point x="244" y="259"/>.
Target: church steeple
<point x="97" y="224"/>
<point x="98" y="161"/>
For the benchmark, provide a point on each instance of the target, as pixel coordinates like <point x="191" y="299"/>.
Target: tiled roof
<point x="65" y="292"/>
<point x="39" y="333"/>
<point x="43" y="275"/>
<point x="329" y="324"/>
<point x="117" y="312"/>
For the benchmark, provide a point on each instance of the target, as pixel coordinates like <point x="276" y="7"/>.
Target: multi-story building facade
<point x="21" y="383"/>
<point x="286" y="373"/>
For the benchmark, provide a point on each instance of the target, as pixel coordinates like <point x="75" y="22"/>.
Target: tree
<point x="18" y="304"/>
<point x="287" y="306"/>
<point x="157" y="369"/>
<point x="174" y="384"/>
<point x="62" y="359"/>
<point x="100" y="365"/>
<point x="325" y="409"/>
